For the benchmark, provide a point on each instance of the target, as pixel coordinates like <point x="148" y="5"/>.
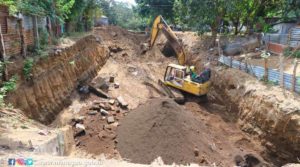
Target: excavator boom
<point x="160" y="24"/>
<point x="177" y="77"/>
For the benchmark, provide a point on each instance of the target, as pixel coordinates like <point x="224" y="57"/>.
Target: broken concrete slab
<point x="110" y="120"/>
<point x="98" y="92"/>
<point x="105" y="106"/>
<point x="80" y="126"/>
<point x="80" y="130"/>
<point x="94" y="112"/>
<point x="78" y="119"/>
<point x="111" y="101"/>
<point x="101" y="83"/>
<point x="196" y="152"/>
<point x="116" y="85"/>
<point x="95" y="107"/>
<point x="122" y="102"/>
<point x="103" y="112"/>
<point x="112" y="79"/>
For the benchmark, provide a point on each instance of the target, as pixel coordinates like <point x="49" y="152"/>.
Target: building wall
<point x="11" y="31"/>
<point x="3" y="21"/>
<point x="284" y="36"/>
<point x="28" y="30"/>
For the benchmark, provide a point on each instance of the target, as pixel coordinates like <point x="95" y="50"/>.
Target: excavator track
<point x="172" y="93"/>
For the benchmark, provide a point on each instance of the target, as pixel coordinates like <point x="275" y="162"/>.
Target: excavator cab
<point x="176" y="76"/>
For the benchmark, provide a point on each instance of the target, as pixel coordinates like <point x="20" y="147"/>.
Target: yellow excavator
<point x="176" y="75"/>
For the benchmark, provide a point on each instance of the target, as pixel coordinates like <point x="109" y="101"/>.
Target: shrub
<point x="44" y="38"/>
<point x="27" y="69"/>
<point x="7" y="86"/>
<point x="289" y="52"/>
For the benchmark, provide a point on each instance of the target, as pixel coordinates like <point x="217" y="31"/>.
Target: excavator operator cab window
<point x="175" y="76"/>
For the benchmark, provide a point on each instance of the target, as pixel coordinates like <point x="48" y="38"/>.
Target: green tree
<point x="291" y="9"/>
<point x="122" y="14"/>
<point x="204" y="15"/>
<point x="11" y="4"/>
<point x="126" y="17"/>
<point x="236" y="13"/>
<point x="210" y="15"/>
<point x="152" y="8"/>
<point x="82" y="15"/>
<point x="55" y="9"/>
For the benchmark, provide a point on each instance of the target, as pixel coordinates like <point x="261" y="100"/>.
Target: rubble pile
<point x="96" y="123"/>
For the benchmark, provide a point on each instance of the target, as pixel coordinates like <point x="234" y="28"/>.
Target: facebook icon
<point x="11" y="162"/>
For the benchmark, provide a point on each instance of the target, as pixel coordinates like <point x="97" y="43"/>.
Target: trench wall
<point x="55" y="77"/>
<point x="263" y="111"/>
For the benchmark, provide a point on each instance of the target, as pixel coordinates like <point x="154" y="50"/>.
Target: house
<point x="18" y="29"/>
<point x="282" y="36"/>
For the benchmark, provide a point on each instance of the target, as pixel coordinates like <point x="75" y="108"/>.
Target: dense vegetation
<point x="201" y="15"/>
<point x="79" y="15"/>
<point x="221" y="15"/>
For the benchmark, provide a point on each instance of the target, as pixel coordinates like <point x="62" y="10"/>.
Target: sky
<point x="131" y="2"/>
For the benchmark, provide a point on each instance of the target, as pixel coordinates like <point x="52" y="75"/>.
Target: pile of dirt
<point x="180" y="135"/>
<point x="161" y="128"/>
<point x="114" y="35"/>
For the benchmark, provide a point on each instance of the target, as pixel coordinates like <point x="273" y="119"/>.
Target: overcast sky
<point x="131" y="2"/>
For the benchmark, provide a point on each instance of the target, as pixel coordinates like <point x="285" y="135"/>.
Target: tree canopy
<point x="151" y="8"/>
<point x="122" y="14"/>
<point x="201" y="15"/>
<point x="213" y="15"/>
<point x="56" y="9"/>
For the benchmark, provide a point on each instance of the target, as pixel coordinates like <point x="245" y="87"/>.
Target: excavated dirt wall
<point x="263" y="111"/>
<point x="55" y="77"/>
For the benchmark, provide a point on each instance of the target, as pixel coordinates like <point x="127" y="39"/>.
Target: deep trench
<point x="230" y="116"/>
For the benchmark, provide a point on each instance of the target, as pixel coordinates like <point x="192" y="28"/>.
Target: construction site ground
<point x="217" y="138"/>
<point x="152" y="128"/>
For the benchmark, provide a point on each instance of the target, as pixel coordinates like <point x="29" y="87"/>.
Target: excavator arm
<point x="160" y="24"/>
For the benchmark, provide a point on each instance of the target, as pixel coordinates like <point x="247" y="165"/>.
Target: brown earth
<point x="55" y="77"/>
<point x="100" y="136"/>
<point x="131" y="70"/>
<point x="180" y="134"/>
<point x="211" y="130"/>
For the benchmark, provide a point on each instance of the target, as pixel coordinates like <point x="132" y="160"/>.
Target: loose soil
<point x="181" y="135"/>
<point x="100" y="137"/>
<point x="154" y="126"/>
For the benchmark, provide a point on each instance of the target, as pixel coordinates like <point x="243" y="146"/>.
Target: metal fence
<point x="292" y="38"/>
<point x="259" y="72"/>
<point x="282" y="39"/>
